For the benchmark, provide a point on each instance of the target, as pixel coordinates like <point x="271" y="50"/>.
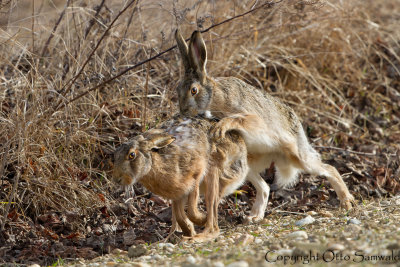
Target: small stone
<point x="275" y="246"/>
<point x="111" y="264"/>
<point x="352" y="229"/>
<point x="336" y="246"/>
<point x="326" y="214"/>
<point x="117" y="251"/>
<point x="140" y="264"/>
<point x="230" y="240"/>
<point x="170" y="250"/>
<point x="353" y="221"/>
<point x="285" y="252"/>
<point x="218" y="264"/>
<point x="298" y="234"/>
<point x="124" y="265"/>
<point x="137" y="251"/>
<point x="34" y="265"/>
<point x="312" y="213"/>
<point x="129" y="237"/>
<point x="258" y="241"/>
<point x="190" y="259"/>
<point x="157" y="257"/>
<point x="238" y="264"/>
<point x="393" y="246"/>
<point x="244" y="240"/>
<point x="305" y="221"/>
<point x="385" y="203"/>
<point x="169" y="245"/>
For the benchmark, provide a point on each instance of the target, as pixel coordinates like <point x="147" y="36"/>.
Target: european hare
<point x="271" y="130"/>
<point x="172" y="162"/>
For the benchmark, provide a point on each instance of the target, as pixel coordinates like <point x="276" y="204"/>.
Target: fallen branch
<point x="267" y="5"/>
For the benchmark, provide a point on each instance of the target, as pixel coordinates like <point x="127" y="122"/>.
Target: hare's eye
<point x="193" y="90"/>
<point x="132" y="155"/>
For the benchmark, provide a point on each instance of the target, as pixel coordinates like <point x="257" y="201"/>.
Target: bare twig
<point x="146" y="92"/>
<point x="349" y="151"/>
<point x="91" y="22"/>
<point x="33" y="26"/>
<point x="59" y="106"/>
<point x="55" y="28"/>
<point x="71" y="81"/>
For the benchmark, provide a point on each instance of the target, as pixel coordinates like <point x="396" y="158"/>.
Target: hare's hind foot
<point x="201" y="237"/>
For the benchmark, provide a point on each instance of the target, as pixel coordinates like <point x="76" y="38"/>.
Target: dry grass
<point x="336" y="62"/>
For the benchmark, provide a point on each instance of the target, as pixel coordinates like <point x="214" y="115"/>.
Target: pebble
<point x="312" y="213"/>
<point x="285" y="252"/>
<point x="393" y="246"/>
<point x="129" y="237"/>
<point x="244" y="240"/>
<point x="124" y="265"/>
<point x="190" y="259"/>
<point x="218" y="264"/>
<point x="238" y="264"/>
<point x="137" y="251"/>
<point x="140" y="264"/>
<point x="353" y="221"/>
<point x="157" y="257"/>
<point x="297" y="234"/>
<point x="336" y="246"/>
<point x="352" y="228"/>
<point x="305" y="221"/>
<point x="326" y="214"/>
<point x="258" y="241"/>
<point x="34" y="265"/>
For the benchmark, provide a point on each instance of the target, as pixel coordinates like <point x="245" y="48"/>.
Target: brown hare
<point x="271" y="130"/>
<point x="173" y="160"/>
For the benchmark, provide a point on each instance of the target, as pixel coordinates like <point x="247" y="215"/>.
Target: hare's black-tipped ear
<point x="160" y="141"/>
<point x="198" y="54"/>
<point x="183" y="49"/>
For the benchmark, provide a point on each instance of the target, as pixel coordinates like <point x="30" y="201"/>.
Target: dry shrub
<point x="335" y="62"/>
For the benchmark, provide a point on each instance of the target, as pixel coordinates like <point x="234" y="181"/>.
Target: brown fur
<point x="183" y="159"/>
<point x="271" y="129"/>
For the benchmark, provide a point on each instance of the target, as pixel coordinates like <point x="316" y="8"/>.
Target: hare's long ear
<point x="198" y="54"/>
<point x="160" y="141"/>
<point x="183" y="49"/>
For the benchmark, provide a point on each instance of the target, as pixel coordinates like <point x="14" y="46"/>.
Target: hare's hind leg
<point x="212" y="198"/>
<point x="179" y="212"/>
<point x="259" y="206"/>
<point x="334" y="178"/>
<point x="194" y="214"/>
<point x="312" y="164"/>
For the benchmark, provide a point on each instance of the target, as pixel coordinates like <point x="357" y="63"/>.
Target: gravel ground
<point x="367" y="235"/>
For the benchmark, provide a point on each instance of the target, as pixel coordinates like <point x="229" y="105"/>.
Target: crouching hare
<point x="271" y="130"/>
<point x="175" y="160"/>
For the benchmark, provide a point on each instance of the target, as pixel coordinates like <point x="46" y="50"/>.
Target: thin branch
<point x="267" y="5"/>
<point x="55" y="28"/>
<point x="348" y="151"/>
<point x="92" y="21"/>
<point x="71" y="82"/>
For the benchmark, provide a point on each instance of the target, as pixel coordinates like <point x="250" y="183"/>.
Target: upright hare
<point x="173" y="160"/>
<point x="271" y="130"/>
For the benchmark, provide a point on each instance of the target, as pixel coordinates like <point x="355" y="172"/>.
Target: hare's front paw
<point x="348" y="203"/>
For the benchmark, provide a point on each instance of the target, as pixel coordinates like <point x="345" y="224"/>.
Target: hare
<point x="173" y="160"/>
<point x="271" y="130"/>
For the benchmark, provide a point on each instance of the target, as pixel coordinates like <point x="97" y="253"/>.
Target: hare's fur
<point x="271" y="130"/>
<point x="174" y="160"/>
